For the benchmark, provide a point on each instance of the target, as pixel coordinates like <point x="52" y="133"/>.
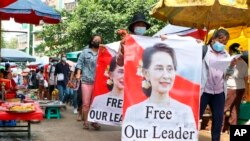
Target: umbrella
<point x="73" y="56"/>
<point x="14" y="55"/>
<point x="206" y="13"/>
<point x="71" y="63"/>
<point x="30" y="11"/>
<point x="4" y="3"/>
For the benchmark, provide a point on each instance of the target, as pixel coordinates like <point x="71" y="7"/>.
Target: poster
<point x="107" y="101"/>
<point x="162" y="86"/>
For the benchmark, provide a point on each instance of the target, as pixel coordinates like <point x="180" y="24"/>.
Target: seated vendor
<point x="13" y="87"/>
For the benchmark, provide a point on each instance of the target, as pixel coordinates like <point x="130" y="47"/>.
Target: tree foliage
<point x="103" y="17"/>
<point x="13" y="43"/>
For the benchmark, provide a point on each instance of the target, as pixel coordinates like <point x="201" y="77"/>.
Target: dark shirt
<point x="64" y="69"/>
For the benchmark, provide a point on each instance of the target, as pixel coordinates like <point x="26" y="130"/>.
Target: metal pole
<point x="28" y="40"/>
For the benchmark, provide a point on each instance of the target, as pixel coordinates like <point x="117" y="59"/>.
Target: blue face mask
<point x="140" y="30"/>
<point x="218" y="47"/>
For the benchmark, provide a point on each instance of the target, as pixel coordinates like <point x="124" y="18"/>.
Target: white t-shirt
<point x="237" y="81"/>
<point x="51" y="72"/>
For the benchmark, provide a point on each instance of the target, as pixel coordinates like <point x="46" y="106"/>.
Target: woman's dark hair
<point x="5" y="74"/>
<point x="147" y="59"/>
<point x="234" y="47"/>
<point x="92" y="38"/>
<point x="112" y="67"/>
<point x="7" y="66"/>
<point x="217" y="33"/>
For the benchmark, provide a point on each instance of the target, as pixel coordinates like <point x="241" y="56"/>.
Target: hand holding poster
<point x="106" y="107"/>
<point x="162" y="86"/>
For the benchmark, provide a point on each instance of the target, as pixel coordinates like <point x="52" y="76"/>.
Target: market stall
<point x="8" y="113"/>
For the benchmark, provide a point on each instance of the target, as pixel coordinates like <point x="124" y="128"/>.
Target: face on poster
<point x="106" y="107"/>
<point x="157" y="106"/>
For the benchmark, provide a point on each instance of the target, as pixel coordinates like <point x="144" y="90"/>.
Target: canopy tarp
<point x="14" y="55"/>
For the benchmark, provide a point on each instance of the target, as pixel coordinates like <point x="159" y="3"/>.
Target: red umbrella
<point x="4" y="3"/>
<point x="30" y="11"/>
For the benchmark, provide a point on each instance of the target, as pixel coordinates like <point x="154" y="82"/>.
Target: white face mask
<point x="139" y="30"/>
<point x="64" y="59"/>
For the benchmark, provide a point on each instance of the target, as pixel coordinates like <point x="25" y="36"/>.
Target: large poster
<point x="162" y="86"/>
<point x="106" y="107"/>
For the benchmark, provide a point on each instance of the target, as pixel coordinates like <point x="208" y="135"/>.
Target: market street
<point x="68" y="129"/>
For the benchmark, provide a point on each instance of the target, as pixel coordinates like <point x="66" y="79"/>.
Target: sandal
<point x="85" y="125"/>
<point x="96" y="126"/>
<point x="79" y="118"/>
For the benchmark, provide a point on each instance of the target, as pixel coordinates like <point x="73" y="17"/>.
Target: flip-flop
<point x="79" y="118"/>
<point x="96" y="126"/>
<point x="85" y="126"/>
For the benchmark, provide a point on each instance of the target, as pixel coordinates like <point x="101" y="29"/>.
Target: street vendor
<point x="13" y="87"/>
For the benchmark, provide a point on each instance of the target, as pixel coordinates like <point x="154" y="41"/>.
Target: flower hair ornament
<point x="145" y="83"/>
<point x="106" y="73"/>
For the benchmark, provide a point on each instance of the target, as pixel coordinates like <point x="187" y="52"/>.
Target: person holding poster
<point x="159" y="116"/>
<point x="107" y="108"/>
<point x="213" y="84"/>
<point x="137" y="26"/>
<point x="86" y="64"/>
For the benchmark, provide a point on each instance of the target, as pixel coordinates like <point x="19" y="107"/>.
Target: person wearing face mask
<point x="213" y="84"/>
<point x="61" y="76"/>
<point x="51" y="81"/>
<point x="86" y="66"/>
<point x="137" y="26"/>
<point x="236" y="87"/>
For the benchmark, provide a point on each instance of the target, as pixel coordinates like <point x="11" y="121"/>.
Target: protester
<point x="51" y="78"/>
<point x="236" y="86"/>
<point x="115" y="84"/>
<point x="33" y="82"/>
<point x="41" y="81"/>
<point x="159" y="67"/>
<point x="61" y="76"/>
<point x="213" y="85"/>
<point x="74" y="85"/>
<point x="86" y="64"/>
<point x="137" y="26"/>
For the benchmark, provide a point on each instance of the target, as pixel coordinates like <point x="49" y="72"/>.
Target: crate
<point x="244" y="111"/>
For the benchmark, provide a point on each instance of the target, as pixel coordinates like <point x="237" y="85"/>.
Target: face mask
<point x="95" y="44"/>
<point x="218" y="47"/>
<point x="64" y="59"/>
<point x="140" y="30"/>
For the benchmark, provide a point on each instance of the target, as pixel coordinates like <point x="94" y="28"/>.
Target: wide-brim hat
<point x="138" y="17"/>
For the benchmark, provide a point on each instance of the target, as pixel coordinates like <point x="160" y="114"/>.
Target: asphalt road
<point x="68" y="129"/>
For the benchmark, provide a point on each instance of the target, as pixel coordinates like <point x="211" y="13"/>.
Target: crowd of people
<point x="222" y="91"/>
